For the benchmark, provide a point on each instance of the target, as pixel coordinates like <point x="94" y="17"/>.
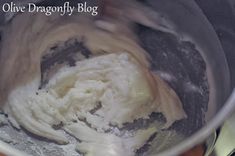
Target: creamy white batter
<point x="88" y="99"/>
<point x="116" y="82"/>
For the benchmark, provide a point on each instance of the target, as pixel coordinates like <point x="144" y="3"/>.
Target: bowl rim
<point x="206" y="131"/>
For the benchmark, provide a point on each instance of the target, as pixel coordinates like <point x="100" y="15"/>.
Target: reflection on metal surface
<point x="210" y="144"/>
<point x="226" y="141"/>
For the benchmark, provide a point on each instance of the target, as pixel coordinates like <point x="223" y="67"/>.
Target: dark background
<point x="221" y="14"/>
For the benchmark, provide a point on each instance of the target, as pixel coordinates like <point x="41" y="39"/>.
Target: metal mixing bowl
<point x="196" y="64"/>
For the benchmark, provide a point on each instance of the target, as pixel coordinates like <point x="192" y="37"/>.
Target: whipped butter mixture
<point x="108" y="90"/>
<point x="112" y="88"/>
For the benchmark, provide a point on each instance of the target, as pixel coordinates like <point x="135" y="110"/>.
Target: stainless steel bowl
<point x="203" y="65"/>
